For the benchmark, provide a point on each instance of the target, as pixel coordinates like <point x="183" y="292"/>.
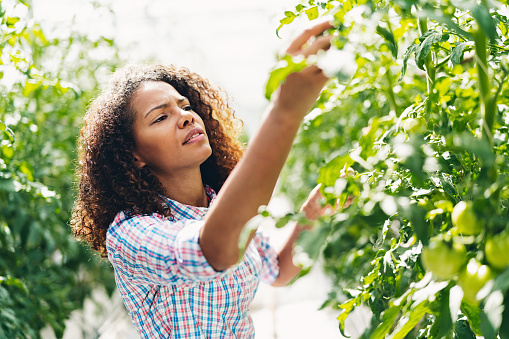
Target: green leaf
<point x="388" y="318"/>
<point x="10" y="281"/>
<point x="389" y="38"/>
<point x="7" y="132"/>
<point x="491" y="315"/>
<point x="438" y="15"/>
<point x="347" y="307"/>
<point x="486" y="22"/>
<point x="411" y="49"/>
<point x="7" y="151"/>
<point x="312" y="13"/>
<point x="428" y="39"/>
<point x="247" y="233"/>
<point x="408" y="321"/>
<point x="283" y="68"/>
<point x="332" y="170"/>
<point x="417" y="216"/>
<point x="30" y="87"/>
<point x="299" y="7"/>
<point x="446" y="320"/>
<point x="11" y="21"/>
<point x="462" y="330"/>
<point x="290" y="16"/>
<point x="504" y="327"/>
<point x="473" y="314"/>
<point x="445" y="37"/>
<point x="457" y="53"/>
<point x="467" y="142"/>
<point x="313" y="241"/>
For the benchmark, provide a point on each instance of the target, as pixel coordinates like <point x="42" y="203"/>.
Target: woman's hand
<point x="313" y="207"/>
<point x="299" y="92"/>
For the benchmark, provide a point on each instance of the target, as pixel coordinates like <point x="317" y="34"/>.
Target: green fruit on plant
<point x="443" y="260"/>
<point x="496" y="250"/>
<point x="414" y="125"/>
<point x="463" y="217"/>
<point x="472" y="279"/>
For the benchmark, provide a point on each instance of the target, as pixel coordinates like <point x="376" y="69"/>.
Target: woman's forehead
<point x="153" y="93"/>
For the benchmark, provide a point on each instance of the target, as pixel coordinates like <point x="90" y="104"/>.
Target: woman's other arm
<point x="312" y="209"/>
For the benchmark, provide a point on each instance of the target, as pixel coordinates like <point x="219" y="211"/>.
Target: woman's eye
<point x="161" y="118"/>
<point x="187" y="108"/>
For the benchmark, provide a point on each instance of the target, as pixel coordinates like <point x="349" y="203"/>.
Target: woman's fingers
<point x="312" y="207"/>
<point x="316" y="74"/>
<point x="322" y="42"/>
<point x="297" y="44"/>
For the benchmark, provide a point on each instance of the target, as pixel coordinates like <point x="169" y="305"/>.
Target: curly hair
<point x="109" y="179"/>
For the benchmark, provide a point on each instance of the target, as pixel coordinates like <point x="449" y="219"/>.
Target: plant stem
<point x="488" y="106"/>
<point x="390" y="92"/>
<point x="488" y="110"/>
<point x="430" y="69"/>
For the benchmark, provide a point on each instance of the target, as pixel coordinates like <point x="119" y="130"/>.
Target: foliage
<point x="46" y="84"/>
<point x="423" y="122"/>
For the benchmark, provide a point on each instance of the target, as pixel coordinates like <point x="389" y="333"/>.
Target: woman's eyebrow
<point x="157" y="107"/>
<point x="179" y="100"/>
<point x="182" y="99"/>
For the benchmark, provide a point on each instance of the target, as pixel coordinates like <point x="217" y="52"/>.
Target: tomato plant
<point x="418" y="107"/>
<point x="45" y="84"/>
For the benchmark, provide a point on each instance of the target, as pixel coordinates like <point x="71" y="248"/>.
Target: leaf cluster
<point x="46" y="84"/>
<point x="423" y="123"/>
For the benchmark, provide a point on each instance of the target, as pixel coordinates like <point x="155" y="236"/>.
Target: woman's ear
<point x="140" y="163"/>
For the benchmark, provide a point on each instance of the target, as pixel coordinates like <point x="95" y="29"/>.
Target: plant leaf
<point x="457" y="53"/>
<point x="388" y="318"/>
<point x="408" y="321"/>
<point x="389" y="38"/>
<point x="411" y="49"/>
<point x="288" y="19"/>
<point x="284" y="67"/>
<point x="312" y="13"/>
<point x="429" y="38"/>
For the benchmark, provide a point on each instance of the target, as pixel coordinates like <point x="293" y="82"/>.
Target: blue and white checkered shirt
<point x="169" y="288"/>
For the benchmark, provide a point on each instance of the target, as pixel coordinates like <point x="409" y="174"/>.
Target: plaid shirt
<point x="169" y="288"/>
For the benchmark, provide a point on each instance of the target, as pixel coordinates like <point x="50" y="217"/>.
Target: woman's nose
<point x="186" y="118"/>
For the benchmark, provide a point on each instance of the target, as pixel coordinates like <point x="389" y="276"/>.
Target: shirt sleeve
<point x="270" y="263"/>
<point x="150" y="249"/>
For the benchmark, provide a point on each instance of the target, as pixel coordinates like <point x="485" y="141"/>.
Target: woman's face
<point x="169" y="136"/>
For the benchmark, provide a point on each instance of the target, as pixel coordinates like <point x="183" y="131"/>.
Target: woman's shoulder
<point x="126" y="220"/>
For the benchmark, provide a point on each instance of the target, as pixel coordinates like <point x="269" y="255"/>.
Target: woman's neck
<point x="187" y="189"/>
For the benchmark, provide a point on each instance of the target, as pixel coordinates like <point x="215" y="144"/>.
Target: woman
<point x="154" y="150"/>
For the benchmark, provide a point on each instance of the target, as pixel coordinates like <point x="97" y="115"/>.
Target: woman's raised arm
<point x="252" y="182"/>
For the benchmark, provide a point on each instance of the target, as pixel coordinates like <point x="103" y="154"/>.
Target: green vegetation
<point x="422" y="117"/>
<point x="417" y="115"/>
<point x="46" y="85"/>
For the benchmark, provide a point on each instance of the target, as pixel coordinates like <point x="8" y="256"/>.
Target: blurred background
<point x="56" y="54"/>
<point x="232" y="43"/>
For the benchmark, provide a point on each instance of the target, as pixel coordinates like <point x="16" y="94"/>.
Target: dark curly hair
<point x="109" y="179"/>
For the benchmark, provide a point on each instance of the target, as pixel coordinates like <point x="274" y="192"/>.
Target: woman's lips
<point x="195" y="135"/>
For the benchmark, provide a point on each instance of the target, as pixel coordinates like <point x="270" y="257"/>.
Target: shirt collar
<point x="181" y="211"/>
